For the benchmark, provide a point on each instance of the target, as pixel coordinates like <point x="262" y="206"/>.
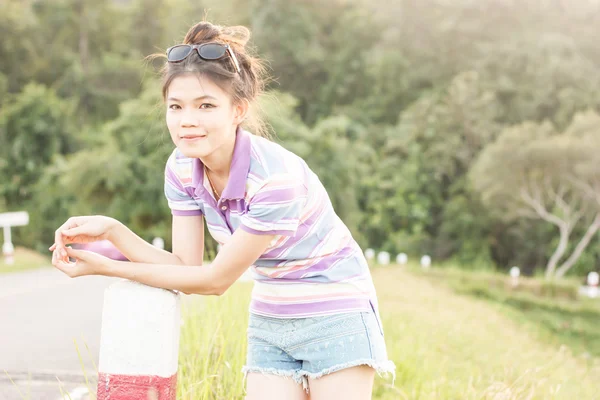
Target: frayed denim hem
<point x="290" y="373"/>
<point x="383" y="369"/>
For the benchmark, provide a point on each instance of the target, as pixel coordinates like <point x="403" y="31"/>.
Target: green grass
<point x="446" y="345"/>
<point x="25" y="259"/>
<point x="213" y="345"/>
<point x="553" y="311"/>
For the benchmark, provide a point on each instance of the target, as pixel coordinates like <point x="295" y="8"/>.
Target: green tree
<point x="17" y="47"/>
<point x="541" y="77"/>
<point x="421" y="186"/>
<point x="308" y="42"/>
<point x="35" y="125"/>
<point x="533" y="171"/>
<point x="122" y="175"/>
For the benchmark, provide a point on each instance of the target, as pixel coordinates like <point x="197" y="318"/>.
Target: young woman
<point x="314" y="327"/>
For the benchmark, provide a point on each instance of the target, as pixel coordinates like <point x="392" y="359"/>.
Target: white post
<point x="8" y="250"/>
<point x="158" y="242"/>
<point x="401" y="259"/>
<point x="383" y="258"/>
<point x="7" y="220"/>
<point x="139" y="343"/>
<point x="425" y="262"/>
<point x="593" y="278"/>
<point x="369" y="254"/>
<point x="515" y="272"/>
<point x="592" y="281"/>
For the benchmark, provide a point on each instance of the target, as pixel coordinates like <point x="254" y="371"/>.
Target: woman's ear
<point x="241" y="111"/>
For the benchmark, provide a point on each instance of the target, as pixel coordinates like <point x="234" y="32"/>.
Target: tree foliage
<point x="437" y="127"/>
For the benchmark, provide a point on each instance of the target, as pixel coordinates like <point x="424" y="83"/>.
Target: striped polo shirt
<point x="313" y="266"/>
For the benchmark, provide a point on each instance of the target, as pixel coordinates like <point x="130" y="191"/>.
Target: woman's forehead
<point x="190" y="87"/>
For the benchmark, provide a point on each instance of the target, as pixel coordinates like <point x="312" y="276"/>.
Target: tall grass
<point x="213" y="345"/>
<point x="552" y="311"/>
<point x="445" y="346"/>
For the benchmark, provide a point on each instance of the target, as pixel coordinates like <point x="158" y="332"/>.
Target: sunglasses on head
<point x="206" y="51"/>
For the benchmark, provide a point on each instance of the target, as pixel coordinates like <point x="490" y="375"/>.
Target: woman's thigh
<point x="354" y="383"/>
<point x="315" y="353"/>
<point x="272" y="387"/>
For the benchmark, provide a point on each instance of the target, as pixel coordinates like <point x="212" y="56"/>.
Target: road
<point x="47" y="321"/>
<point x="45" y="318"/>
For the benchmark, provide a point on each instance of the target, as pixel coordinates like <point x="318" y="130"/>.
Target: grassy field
<point x="25" y="259"/>
<point x="553" y="312"/>
<point x="446" y="345"/>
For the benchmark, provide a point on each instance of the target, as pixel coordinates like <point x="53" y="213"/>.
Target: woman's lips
<point x="191" y="138"/>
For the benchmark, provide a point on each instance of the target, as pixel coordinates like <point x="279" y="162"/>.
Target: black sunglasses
<point x="206" y="51"/>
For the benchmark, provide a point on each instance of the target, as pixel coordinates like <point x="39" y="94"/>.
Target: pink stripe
<point x="302" y="265"/>
<point x="261" y="307"/>
<point x="136" y="387"/>
<point x="315" y="296"/>
<point x="186" y="213"/>
<point x="172" y="178"/>
<point x="318" y="205"/>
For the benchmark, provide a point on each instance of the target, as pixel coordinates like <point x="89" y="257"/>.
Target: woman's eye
<point x="174" y="107"/>
<point x="206" y="105"/>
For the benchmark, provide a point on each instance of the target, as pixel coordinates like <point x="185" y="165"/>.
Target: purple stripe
<point x="308" y="308"/>
<point x="186" y="213"/>
<point x="322" y="265"/>
<point x="173" y="179"/>
<point x="258" y="277"/>
<point x="303" y="232"/>
<point x="255" y="232"/>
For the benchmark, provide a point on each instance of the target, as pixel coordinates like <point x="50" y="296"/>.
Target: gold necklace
<point x="217" y="195"/>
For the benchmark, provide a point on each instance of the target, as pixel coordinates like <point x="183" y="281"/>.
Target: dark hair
<point x="248" y="85"/>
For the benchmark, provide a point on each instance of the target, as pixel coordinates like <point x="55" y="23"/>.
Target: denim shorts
<point x="303" y="348"/>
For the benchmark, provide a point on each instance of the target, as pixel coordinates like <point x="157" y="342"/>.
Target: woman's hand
<point x="86" y="263"/>
<point x="81" y="230"/>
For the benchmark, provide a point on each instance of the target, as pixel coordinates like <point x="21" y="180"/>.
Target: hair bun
<point x="204" y="32"/>
<point x="236" y="34"/>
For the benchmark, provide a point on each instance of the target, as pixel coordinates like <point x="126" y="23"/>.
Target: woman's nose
<point x="188" y="119"/>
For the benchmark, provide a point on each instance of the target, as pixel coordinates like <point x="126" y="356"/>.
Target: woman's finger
<point x="78" y="230"/>
<point x="78" y="254"/>
<point x="58" y="234"/>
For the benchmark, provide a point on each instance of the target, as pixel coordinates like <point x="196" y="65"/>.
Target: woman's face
<point x="200" y="116"/>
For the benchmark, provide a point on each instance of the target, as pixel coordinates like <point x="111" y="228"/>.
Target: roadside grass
<point x="213" y="345"/>
<point x="446" y="345"/>
<point x="25" y="259"/>
<point x="552" y="311"/>
<point x="453" y="334"/>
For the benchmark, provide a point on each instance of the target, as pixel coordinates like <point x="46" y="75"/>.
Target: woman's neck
<point x="219" y="162"/>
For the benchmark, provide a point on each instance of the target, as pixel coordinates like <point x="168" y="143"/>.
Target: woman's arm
<point x="188" y="243"/>
<point x="242" y="250"/>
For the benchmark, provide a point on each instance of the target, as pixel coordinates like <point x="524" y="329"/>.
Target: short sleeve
<point x="179" y="200"/>
<point x="276" y="208"/>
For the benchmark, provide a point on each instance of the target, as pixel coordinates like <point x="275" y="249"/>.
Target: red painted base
<point x="132" y="387"/>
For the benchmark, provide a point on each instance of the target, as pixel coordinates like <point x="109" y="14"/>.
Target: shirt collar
<point x="238" y="171"/>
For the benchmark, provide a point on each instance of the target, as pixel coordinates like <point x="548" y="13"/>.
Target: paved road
<point x="44" y="317"/>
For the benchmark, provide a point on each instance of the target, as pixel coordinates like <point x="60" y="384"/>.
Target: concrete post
<point x="139" y="343"/>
